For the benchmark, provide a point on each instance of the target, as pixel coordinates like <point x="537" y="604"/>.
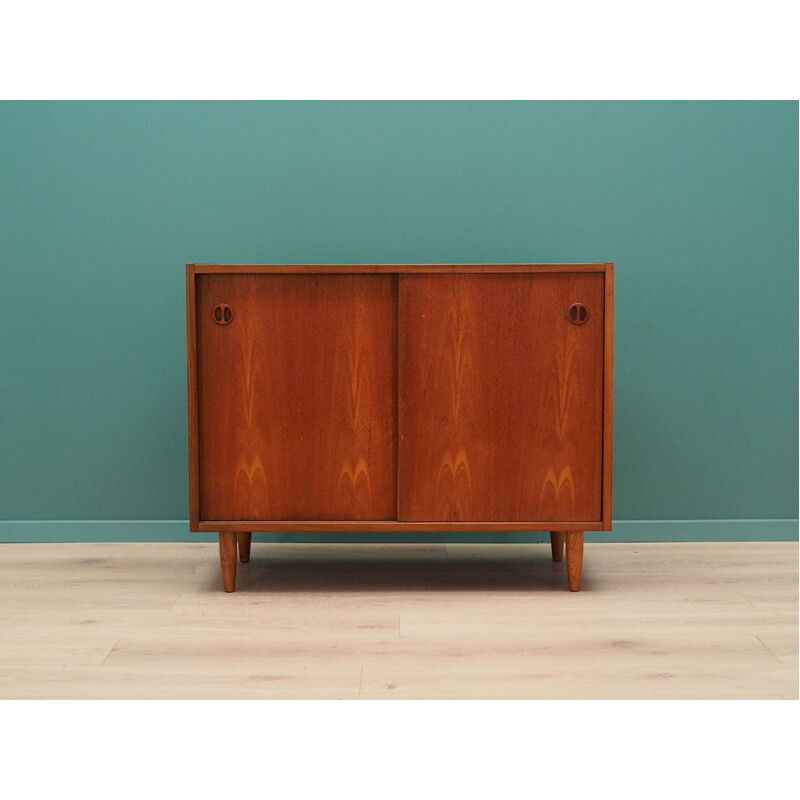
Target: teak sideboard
<point x="387" y="397"/>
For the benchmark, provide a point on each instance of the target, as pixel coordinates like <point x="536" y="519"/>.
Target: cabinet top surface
<point x="397" y="268"/>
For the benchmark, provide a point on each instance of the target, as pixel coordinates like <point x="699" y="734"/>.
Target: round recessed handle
<point x="222" y="314"/>
<point x="577" y="313"/>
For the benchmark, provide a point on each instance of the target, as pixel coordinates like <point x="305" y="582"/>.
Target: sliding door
<point x="500" y="396"/>
<point x="297" y="396"/>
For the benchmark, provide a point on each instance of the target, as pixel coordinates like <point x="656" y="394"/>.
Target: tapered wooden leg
<point x="557" y="544"/>
<point x="227" y="559"/>
<point x="574" y="559"/>
<point x="244" y="545"/>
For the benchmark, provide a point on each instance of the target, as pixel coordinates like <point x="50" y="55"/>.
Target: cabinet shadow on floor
<point x="370" y="569"/>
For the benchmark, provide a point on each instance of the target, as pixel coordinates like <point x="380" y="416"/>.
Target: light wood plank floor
<point x="124" y="620"/>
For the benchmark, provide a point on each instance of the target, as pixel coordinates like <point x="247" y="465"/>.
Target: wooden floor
<point x="399" y="621"/>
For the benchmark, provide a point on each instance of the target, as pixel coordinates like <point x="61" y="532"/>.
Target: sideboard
<point x="400" y="398"/>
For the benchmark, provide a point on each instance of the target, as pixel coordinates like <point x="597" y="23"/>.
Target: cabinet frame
<point x="196" y="524"/>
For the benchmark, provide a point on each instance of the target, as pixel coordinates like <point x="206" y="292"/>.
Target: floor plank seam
<point x="172" y="604"/>
<point x="111" y="651"/>
<point x="203" y="560"/>
<point x="768" y="649"/>
<point x="747" y="599"/>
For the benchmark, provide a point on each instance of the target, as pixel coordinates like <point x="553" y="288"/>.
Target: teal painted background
<point x="102" y="204"/>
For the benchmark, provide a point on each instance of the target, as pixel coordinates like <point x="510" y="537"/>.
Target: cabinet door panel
<point x="297" y="397"/>
<point x="500" y="397"/>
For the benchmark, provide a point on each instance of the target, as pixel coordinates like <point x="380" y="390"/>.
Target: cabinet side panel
<point x="500" y="397"/>
<point x="191" y="363"/>
<point x="298" y="397"/>
<point x="608" y="395"/>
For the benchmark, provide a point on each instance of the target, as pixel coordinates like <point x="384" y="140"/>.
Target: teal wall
<point x="102" y="204"/>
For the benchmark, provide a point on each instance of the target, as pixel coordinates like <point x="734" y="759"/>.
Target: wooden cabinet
<point x="437" y="398"/>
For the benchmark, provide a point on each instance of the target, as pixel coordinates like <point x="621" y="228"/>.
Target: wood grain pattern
<point x="500" y="398"/>
<point x="297" y="409"/>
